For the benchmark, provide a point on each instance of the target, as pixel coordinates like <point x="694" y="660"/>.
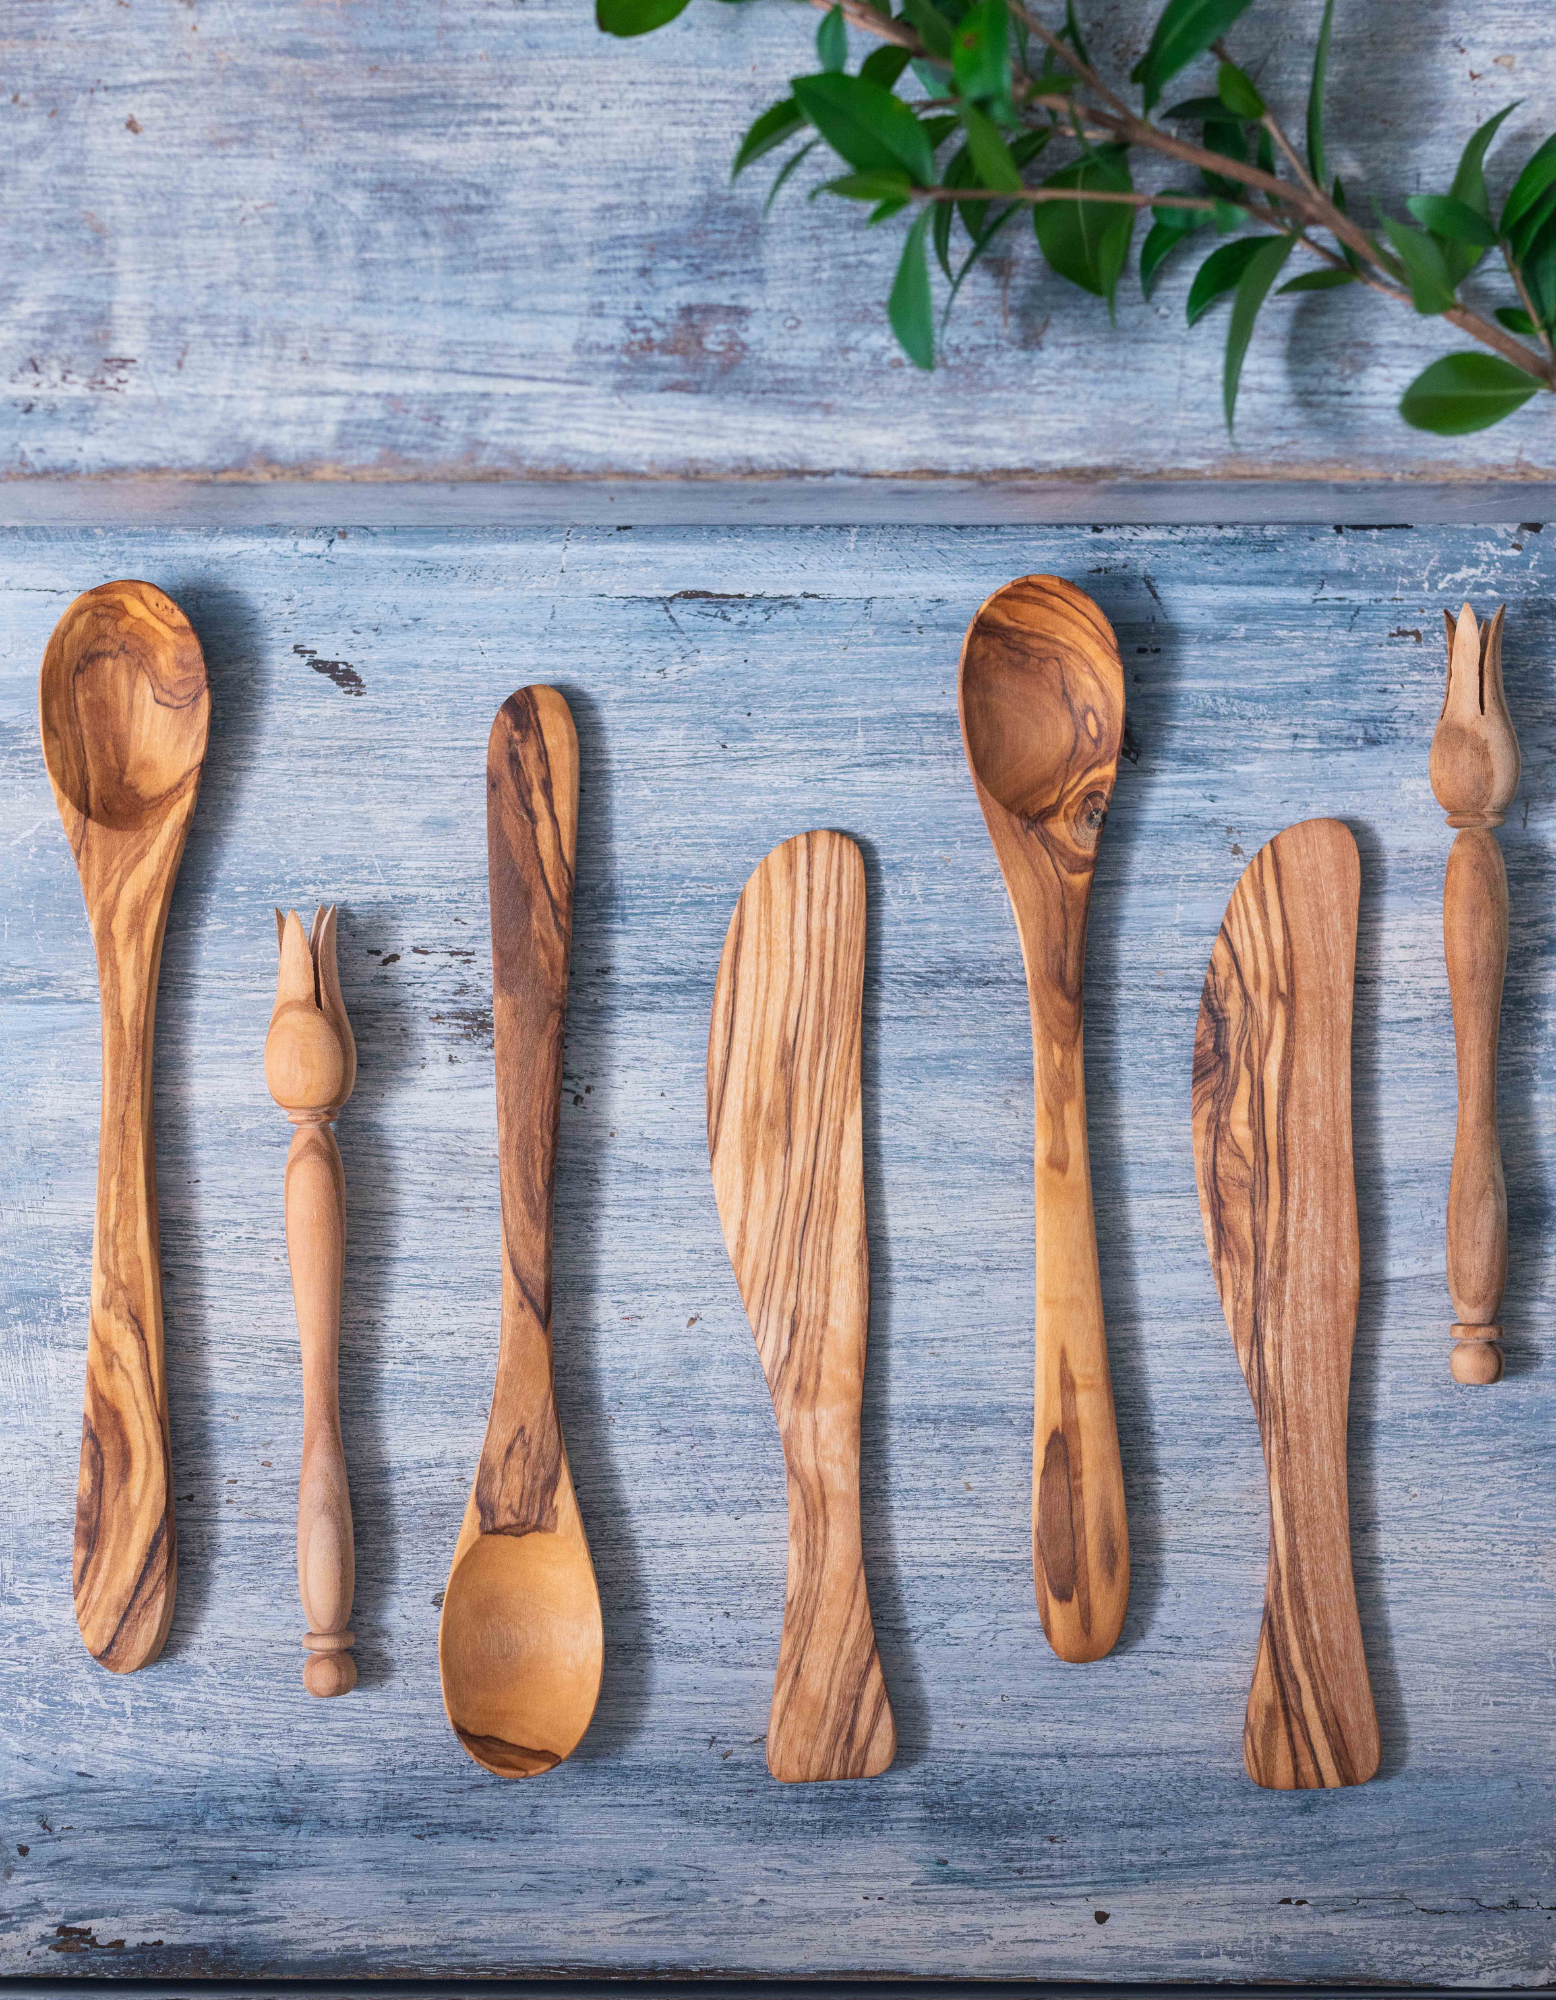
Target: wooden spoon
<point x="1041" y="692"/>
<point x="521" y="1642"/>
<point x="785" y="1142"/>
<point x="1272" y="1152"/>
<point x="125" y="712"/>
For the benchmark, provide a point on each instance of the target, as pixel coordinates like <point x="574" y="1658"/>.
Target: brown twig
<point x="1517" y="277"/>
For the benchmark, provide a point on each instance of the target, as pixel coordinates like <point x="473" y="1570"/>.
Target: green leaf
<point x="1162" y="238"/>
<point x="1185" y="30"/>
<point x="1169" y="227"/>
<point x="1088" y="241"/>
<point x="1221" y="272"/>
<point x="1426" y="272"/>
<point x="1327" y="280"/>
<point x="869" y="187"/>
<point x="1516" y="320"/>
<point x="1446" y="216"/>
<point x="934" y="30"/>
<point x="1253" y="288"/>
<point x="1531" y="223"/>
<point x="995" y="225"/>
<point x="832" y="40"/>
<point x="1315" y="97"/>
<point x="910" y="308"/>
<point x="785" y="170"/>
<point x="636" y="17"/>
<point x="1465" y="392"/>
<point x="1538" y="270"/>
<point x="871" y="129"/>
<point x="1469" y="182"/>
<point x="1236" y="91"/>
<point x="981" y="52"/>
<point x="1264" y="158"/>
<point x="883" y="211"/>
<point x="1196" y="108"/>
<point x="1072" y="32"/>
<point x="884" y="65"/>
<point x="990" y="155"/>
<point x="1538" y="174"/>
<point x="777" y="123"/>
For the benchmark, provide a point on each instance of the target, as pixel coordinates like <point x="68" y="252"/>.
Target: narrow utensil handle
<point x="125" y="1566"/>
<point x="1080" y="1534"/>
<point x="1310" y="1721"/>
<point x="1475" y="946"/>
<point x="316" y="1251"/>
<point x="531" y="836"/>
<point x="831" y="1717"/>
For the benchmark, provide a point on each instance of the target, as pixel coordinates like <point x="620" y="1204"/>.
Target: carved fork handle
<point x="1475" y="945"/>
<point x="316" y="1249"/>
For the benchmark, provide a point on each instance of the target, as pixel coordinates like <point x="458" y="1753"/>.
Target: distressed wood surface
<point x="731" y="689"/>
<point x="477" y="238"/>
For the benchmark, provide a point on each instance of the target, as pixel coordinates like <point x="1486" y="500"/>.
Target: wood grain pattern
<point x="311" y="1068"/>
<point x="785" y="1146"/>
<point x="1270" y="674"/>
<point x="283" y="160"/>
<point x="1272" y="1152"/>
<point x="1041" y="694"/>
<point x="521" y="1640"/>
<point x="125" y="712"/>
<point x="1475" y="770"/>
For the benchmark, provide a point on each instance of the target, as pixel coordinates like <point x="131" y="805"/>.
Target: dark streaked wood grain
<point x="1041" y="694"/>
<point x="785" y="1146"/>
<point x="1272" y="1149"/>
<point x="521" y="1637"/>
<point x="125" y="712"/>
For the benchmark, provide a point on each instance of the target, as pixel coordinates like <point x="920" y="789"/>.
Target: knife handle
<point x="1475" y="946"/>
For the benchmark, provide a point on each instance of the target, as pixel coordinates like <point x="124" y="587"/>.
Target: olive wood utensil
<point x="521" y="1641"/>
<point x="785" y="1143"/>
<point x="1272" y="1153"/>
<point x="1041" y="693"/>
<point x="1474" y="770"/>
<point x="311" y="1068"/>
<point x="125" y="712"/>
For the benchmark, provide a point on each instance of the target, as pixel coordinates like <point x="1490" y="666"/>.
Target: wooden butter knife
<point x="1272" y="1152"/>
<point x="785" y="1142"/>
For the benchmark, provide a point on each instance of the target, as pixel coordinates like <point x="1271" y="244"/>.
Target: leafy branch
<point x="948" y="116"/>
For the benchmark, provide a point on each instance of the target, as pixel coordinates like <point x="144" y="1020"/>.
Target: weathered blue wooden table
<point x="731" y="688"/>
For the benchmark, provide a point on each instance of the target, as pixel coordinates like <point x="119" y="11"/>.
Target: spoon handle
<point x="125" y="1567"/>
<point x="532" y="830"/>
<point x="316" y="1251"/>
<point x="1080" y="1534"/>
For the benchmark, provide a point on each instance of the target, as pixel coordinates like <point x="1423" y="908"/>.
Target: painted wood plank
<point x="730" y="688"/>
<point x="474" y="238"/>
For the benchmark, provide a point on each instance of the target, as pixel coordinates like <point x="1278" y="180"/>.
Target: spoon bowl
<point x="124" y="711"/>
<point x="123" y="705"/>
<point x="1041" y="694"/>
<point x="521" y="1649"/>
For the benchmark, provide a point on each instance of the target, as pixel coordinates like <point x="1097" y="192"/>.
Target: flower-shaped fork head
<point x="310" y="1056"/>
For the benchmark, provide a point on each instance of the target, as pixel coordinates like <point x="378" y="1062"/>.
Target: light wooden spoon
<point x="521" y="1642"/>
<point x="1272" y="1154"/>
<point x="1041" y="692"/>
<point x="125" y="712"/>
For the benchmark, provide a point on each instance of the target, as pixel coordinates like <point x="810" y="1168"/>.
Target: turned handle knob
<point x="1474" y="773"/>
<point x="310" y="1067"/>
